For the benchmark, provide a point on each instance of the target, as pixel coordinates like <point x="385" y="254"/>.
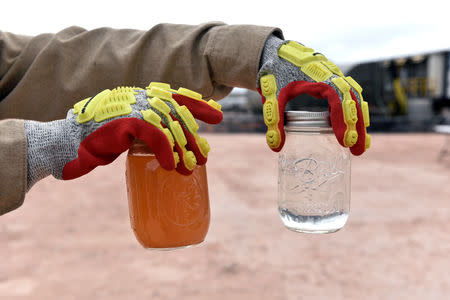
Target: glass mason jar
<point x="314" y="173"/>
<point x="167" y="210"/>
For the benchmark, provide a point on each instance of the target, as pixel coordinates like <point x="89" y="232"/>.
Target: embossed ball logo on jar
<point x="184" y="194"/>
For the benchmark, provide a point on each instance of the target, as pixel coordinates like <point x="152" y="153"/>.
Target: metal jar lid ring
<point x="307" y="121"/>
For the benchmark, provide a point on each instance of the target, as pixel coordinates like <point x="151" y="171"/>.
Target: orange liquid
<point x="167" y="209"/>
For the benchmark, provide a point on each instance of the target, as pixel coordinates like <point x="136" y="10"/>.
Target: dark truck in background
<point x="405" y="94"/>
<point x="409" y="93"/>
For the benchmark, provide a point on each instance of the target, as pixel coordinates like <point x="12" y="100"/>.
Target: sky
<point x="345" y="31"/>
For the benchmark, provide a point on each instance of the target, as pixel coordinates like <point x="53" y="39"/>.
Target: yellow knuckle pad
<point x="86" y="111"/>
<point x="317" y="71"/>
<point x="169" y="136"/>
<point x="121" y="95"/>
<point x="108" y="111"/>
<point x="342" y="85"/>
<point x="364" y="108"/>
<point x="177" y="133"/>
<point x="368" y="140"/>
<point x="333" y="68"/>
<point x="298" y="54"/>
<point x="204" y="146"/>
<point x="349" y="111"/>
<point x="151" y="117"/>
<point x="105" y="105"/>
<point x="79" y="105"/>
<point x="299" y="47"/>
<point x="270" y="110"/>
<point x="365" y="111"/>
<point x="215" y="105"/>
<point x="189" y="159"/>
<point x="164" y="86"/>
<point x="159" y="105"/>
<point x="117" y="103"/>
<point x="307" y="60"/>
<point x="187" y="118"/>
<point x="354" y="84"/>
<point x="273" y="138"/>
<point x="159" y="93"/>
<point x="126" y="89"/>
<point x="189" y="93"/>
<point x="350" y="138"/>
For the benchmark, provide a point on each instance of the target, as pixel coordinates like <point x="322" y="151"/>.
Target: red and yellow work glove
<point x="289" y="69"/>
<point x="98" y="129"/>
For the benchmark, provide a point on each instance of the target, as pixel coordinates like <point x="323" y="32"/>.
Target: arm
<point x="54" y="70"/>
<point x="41" y="77"/>
<point x="13" y="164"/>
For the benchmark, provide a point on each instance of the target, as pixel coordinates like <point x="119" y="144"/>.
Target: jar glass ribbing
<point x="314" y="175"/>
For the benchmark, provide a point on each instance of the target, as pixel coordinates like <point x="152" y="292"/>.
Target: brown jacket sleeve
<point x="13" y="164"/>
<point x="41" y="77"/>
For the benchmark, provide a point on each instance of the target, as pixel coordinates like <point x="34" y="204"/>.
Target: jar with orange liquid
<point x="167" y="210"/>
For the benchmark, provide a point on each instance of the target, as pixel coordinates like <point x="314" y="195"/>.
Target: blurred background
<point x="72" y="240"/>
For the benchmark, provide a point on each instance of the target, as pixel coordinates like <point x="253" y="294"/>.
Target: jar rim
<point x="307" y="120"/>
<point x="303" y="115"/>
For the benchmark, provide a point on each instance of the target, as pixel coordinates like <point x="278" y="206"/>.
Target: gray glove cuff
<point x="269" y="56"/>
<point x="284" y="71"/>
<point x="270" y="50"/>
<point x="50" y="146"/>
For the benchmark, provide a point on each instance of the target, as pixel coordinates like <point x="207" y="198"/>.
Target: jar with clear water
<point x="314" y="175"/>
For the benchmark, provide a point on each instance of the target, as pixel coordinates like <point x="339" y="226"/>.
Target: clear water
<point x="313" y="224"/>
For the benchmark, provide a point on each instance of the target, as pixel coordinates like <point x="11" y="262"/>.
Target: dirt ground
<point x="72" y="240"/>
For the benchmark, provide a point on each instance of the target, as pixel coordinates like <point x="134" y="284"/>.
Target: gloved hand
<point x="98" y="129"/>
<point x="289" y="69"/>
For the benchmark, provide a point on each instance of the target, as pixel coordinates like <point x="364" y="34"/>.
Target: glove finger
<point x="349" y="111"/>
<point x="363" y="117"/>
<point x="182" y="168"/>
<point x="178" y="142"/>
<point x="170" y="127"/>
<point x="187" y="157"/>
<point x="336" y="116"/>
<point x="363" y="141"/>
<point x="273" y="112"/>
<point x="162" y="144"/>
<point x="273" y="109"/>
<point x="198" y="145"/>
<point x="106" y="143"/>
<point x="163" y="103"/>
<point x="209" y="112"/>
<point x="206" y="111"/>
<point x="194" y="148"/>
